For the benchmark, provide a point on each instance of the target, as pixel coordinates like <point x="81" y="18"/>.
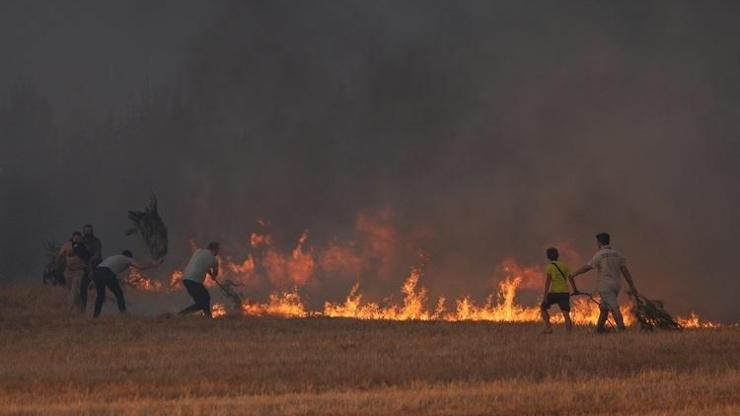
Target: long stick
<point x="591" y="297"/>
<point x="230" y="293"/>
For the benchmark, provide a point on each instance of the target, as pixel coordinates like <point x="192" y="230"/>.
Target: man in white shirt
<point x="610" y="265"/>
<point x="202" y="263"/>
<point x="106" y="275"/>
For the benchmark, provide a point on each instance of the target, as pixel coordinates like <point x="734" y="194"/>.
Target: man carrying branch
<point x="201" y="263"/>
<point x="106" y="276"/>
<point x="610" y="265"/>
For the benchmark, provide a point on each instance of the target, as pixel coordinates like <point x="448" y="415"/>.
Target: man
<point x="610" y="265"/>
<point x="106" y="275"/>
<point x="556" y="290"/>
<point x="95" y="248"/>
<point x="76" y="259"/>
<point x="201" y="263"/>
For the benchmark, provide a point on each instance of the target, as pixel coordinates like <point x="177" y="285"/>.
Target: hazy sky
<point x="475" y="130"/>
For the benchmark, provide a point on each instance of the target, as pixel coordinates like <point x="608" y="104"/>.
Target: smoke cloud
<point x="459" y="134"/>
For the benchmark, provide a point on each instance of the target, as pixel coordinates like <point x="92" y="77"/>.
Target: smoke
<point x="473" y="131"/>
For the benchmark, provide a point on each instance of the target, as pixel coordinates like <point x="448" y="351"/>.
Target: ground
<point x="168" y="365"/>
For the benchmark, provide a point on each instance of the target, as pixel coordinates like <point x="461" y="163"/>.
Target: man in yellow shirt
<point x="556" y="290"/>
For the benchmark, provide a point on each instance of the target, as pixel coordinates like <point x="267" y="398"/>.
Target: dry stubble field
<point x="240" y="365"/>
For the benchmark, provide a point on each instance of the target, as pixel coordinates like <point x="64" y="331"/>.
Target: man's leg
<point x="192" y="291"/>
<point x="568" y="322"/>
<point x="610" y="300"/>
<point x="545" y="312"/>
<point x="205" y="301"/>
<point x="115" y="287"/>
<point x="545" y="317"/>
<point x="564" y="305"/>
<point x="618" y="317"/>
<point x="84" y="288"/>
<point x="603" y="315"/>
<point x="74" y="277"/>
<point x="99" y="295"/>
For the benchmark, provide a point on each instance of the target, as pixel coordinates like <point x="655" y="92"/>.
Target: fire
<point x="375" y="252"/>
<point x="498" y="307"/>
<point x="413" y="307"/>
<point x="176" y="278"/>
<point x="286" y="305"/>
<point x="693" y="321"/>
<point x="141" y="282"/>
<point x="218" y="310"/>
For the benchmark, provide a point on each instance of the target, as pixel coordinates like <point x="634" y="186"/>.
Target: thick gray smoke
<point x="477" y="130"/>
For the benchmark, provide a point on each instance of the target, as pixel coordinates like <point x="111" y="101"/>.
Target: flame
<point x="141" y="282"/>
<point x="375" y="251"/>
<point x="175" y="278"/>
<point x="413" y="307"/>
<point x="257" y="240"/>
<point x="694" y="321"/>
<point x="373" y="254"/>
<point x="243" y="268"/>
<point x="218" y="310"/>
<point x="498" y="307"/>
<point x="285" y="305"/>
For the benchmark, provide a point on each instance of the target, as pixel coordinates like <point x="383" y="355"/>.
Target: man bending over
<point x="201" y="263"/>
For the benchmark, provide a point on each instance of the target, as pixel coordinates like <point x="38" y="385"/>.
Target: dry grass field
<point x="138" y="365"/>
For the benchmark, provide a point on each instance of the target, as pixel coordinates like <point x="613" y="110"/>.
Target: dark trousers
<point x="200" y="295"/>
<point x="105" y="278"/>
<point x="84" y="288"/>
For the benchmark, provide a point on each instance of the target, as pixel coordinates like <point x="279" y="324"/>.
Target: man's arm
<point x="573" y="284"/>
<point x="583" y="269"/>
<point x="214" y="271"/>
<point x="628" y="277"/>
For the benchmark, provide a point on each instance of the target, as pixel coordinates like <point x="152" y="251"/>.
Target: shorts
<point x="562" y="299"/>
<point x="609" y="299"/>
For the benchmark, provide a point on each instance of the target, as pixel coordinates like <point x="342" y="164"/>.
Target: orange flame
<point x="218" y="310"/>
<point x="505" y="309"/>
<point x="285" y="305"/>
<point x="693" y="321"/>
<point x="141" y="282"/>
<point x="175" y="278"/>
<point x="295" y="268"/>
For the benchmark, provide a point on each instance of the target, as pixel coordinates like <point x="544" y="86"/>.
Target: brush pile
<point x="149" y="225"/>
<point x="651" y="314"/>
<point x="54" y="270"/>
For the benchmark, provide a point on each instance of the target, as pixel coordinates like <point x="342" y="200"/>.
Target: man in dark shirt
<point x="95" y="248"/>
